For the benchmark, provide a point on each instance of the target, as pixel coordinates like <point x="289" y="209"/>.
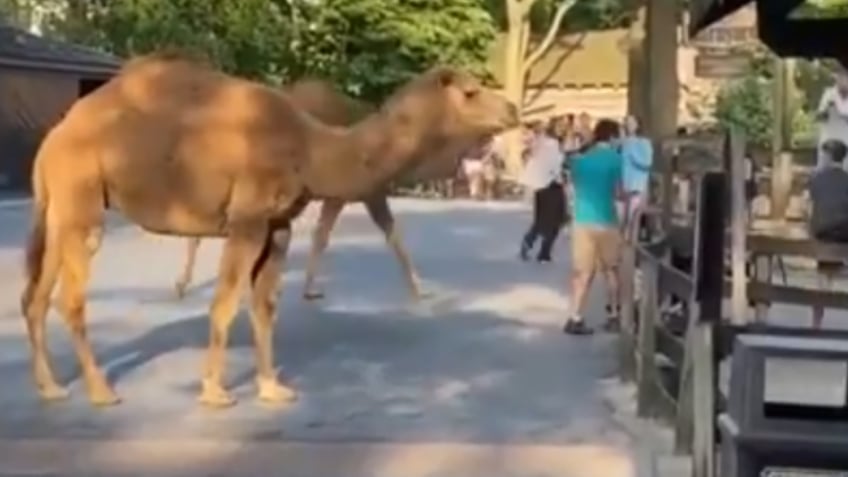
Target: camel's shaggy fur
<point x="179" y="148"/>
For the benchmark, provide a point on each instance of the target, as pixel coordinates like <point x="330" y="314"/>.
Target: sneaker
<point x="576" y="326"/>
<point x="613" y="323"/>
<point x="524" y="253"/>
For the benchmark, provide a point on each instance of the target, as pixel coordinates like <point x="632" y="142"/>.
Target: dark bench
<point x="787" y="407"/>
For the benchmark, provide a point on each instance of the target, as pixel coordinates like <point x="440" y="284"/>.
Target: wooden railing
<point x="673" y="358"/>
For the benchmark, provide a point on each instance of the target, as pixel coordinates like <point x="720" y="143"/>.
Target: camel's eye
<point x="471" y="93"/>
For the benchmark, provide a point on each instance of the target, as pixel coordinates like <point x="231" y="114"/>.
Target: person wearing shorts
<point x="595" y="237"/>
<point x="829" y="217"/>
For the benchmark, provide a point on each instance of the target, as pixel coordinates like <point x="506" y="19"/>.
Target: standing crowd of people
<point x="594" y="175"/>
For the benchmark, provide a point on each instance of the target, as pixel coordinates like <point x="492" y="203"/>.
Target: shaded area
<point x="482" y="362"/>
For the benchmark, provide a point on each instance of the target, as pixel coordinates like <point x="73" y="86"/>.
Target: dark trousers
<point x="837" y="233"/>
<point x="549" y="215"/>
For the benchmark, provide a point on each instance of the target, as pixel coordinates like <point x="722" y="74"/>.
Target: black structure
<point x="786" y="36"/>
<point x="788" y="406"/>
<point x="39" y="80"/>
<point x="710" y="229"/>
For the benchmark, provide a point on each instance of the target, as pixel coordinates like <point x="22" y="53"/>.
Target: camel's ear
<point x="446" y="77"/>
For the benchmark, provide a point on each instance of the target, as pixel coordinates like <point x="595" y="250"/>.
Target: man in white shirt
<point x="543" y="176"/>
<point x="832" y="114"/>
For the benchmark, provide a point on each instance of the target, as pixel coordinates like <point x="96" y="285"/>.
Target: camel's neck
<point x="352" y="163"/>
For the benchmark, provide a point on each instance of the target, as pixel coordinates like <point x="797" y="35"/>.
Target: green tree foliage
<point x="247" y="37"/>
<point x="822" y="9"/>
<point x="367" y="46"/>
<point x="371" y="46"/>
<point x="746" y="104"/>
<point x="584" y="15"/>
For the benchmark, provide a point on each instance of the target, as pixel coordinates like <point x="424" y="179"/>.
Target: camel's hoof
<point x="313" y="295"/>
<point x="53" y="392"/>
<point x="424" y="295"/>
<point x="180" y="290"/>
<point x="274" y="392"/>
<point x="216" y="397"/>
<point x="103" y="397"/>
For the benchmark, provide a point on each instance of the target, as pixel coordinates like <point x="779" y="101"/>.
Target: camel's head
<point x="457" y="104"/>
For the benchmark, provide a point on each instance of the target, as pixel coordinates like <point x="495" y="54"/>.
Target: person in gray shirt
<point x="829" y="215"/>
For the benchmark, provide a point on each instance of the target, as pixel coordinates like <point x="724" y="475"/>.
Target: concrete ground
<point x="477" y="380"/>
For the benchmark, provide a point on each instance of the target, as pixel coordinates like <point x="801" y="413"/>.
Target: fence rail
<point x="672" y="353"/>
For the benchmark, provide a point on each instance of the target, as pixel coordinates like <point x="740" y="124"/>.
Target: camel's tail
<point x="37" y="240"/>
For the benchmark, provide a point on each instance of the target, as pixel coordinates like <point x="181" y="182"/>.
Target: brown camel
<point x="181" y="149"/>
<point x="324" y="102"/>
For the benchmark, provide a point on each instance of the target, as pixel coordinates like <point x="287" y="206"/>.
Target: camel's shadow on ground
<point x="367" y="365"/>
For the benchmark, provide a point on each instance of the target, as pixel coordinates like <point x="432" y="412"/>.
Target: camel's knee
<point x="94" y="239"/>
<point x="35" y="308"/>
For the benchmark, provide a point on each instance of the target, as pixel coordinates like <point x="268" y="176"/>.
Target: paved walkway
<point x="478" y="380"/>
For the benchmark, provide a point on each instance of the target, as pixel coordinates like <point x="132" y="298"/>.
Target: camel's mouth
<point x="512" y="119"/>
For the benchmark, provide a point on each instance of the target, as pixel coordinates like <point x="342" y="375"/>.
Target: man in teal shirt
<point x="595" y="238"/>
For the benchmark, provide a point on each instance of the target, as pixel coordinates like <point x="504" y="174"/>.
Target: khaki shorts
<point x="595" y="248"/>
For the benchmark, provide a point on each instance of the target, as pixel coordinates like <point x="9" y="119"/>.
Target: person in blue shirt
<point x="596" y="176"/>
<point x="637" y="154"/>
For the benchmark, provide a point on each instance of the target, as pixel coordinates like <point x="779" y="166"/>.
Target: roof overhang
<point x="72" y="68"/>
<point x="785" y="36"/>
<point x="703" y="13"/>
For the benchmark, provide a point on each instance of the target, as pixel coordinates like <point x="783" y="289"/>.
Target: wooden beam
<point x="738" y="227"/>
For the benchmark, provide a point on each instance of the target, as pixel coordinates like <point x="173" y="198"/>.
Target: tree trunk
<point x="514" y="90"/>
<point x="636" y="65"/>
<point x="781" y="177"/>
<point x="663" y="89"/>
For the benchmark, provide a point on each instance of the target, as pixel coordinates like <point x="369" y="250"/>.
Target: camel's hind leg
<point x="35" y="310"/>
<point x="381" y="214"/>
<point x="188" y="267"/>
<point x="330" y="210"/>
<point x="242" y="248"/>
<point x="265" y="288"/>
<point x="78" y="246"/>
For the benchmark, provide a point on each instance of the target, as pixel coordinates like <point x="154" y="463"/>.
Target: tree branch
<point x="550" y="36"/>
<point x="524" y="6"/>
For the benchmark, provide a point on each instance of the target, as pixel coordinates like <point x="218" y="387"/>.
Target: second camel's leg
<point x="242" y="248"/>
<point x="381" y="214"/>
<point x="188" y="267"/>
<point x="265" y="280"/>
<point x="330" y="210"/>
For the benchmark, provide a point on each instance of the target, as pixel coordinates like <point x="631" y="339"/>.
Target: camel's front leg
<point x="242" y="248"/>
<point x="330" y="210"/>
<point x="188" y="267"/>
<point x="381" y="214"/>
<point x="265" y="281"/>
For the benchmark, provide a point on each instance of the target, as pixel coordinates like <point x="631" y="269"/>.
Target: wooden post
<point x="735" y="151"/>
<point x="781" y="177"/>
<point x="684" y="422"/>
<point x="762" y="273"/>
<point x="646" y="366"/>
<point x="628" y="326"/>
<point x="703" y="400"/>
<point x="695" y="426"/>
<point x="665" y="159"/>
